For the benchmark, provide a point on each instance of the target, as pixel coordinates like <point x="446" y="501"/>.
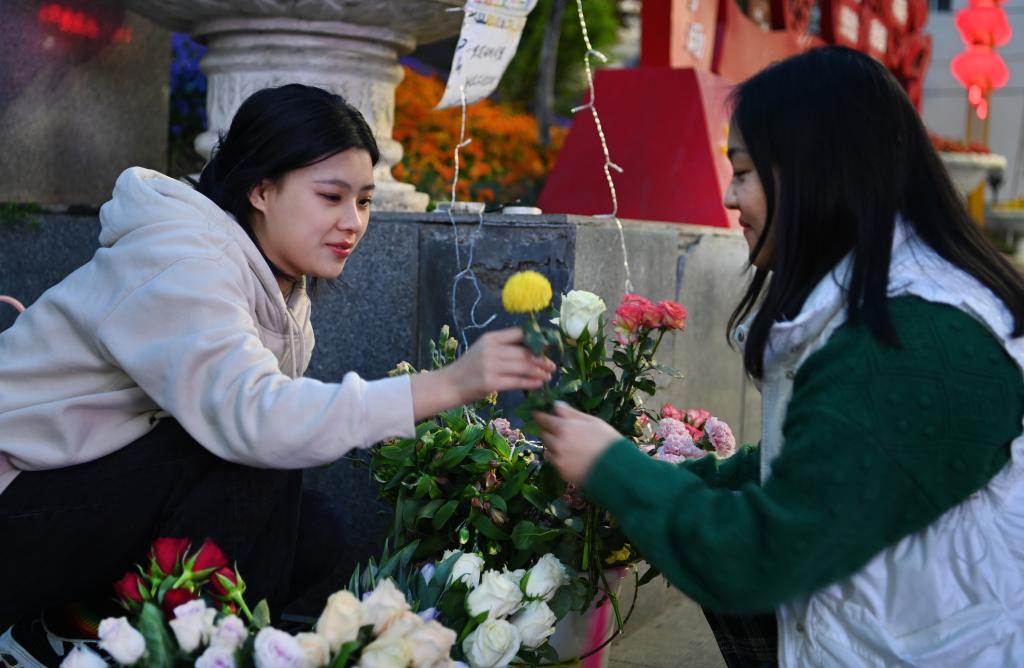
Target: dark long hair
<point x="275" y="131"/>
<point x="841" y="151"/>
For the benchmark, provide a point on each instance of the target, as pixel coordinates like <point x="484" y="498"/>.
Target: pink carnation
<point x="720" y="436"/>
<point x="504" y="428"/>
<point x="696" y="416"/>
<point x="670" y="458"/>
<point x="669" y="426"/>
<point x="682" y="446"/>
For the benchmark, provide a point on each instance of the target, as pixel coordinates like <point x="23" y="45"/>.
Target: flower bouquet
<point x="391" y="616"/>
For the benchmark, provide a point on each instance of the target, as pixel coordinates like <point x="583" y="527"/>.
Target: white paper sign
<point x="489" y="38"/>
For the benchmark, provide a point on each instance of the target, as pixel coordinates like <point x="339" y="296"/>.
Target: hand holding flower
<point x="574" y="441"/>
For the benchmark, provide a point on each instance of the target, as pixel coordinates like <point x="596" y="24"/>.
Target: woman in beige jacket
<point x="159" y="389"/>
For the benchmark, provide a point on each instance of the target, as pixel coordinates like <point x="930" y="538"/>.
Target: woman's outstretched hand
<point x="574" y="441"/>
<point x="496" y="362"/>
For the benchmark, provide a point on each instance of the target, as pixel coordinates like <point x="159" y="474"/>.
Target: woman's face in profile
<point x="746" y="195"/>
<point x="310" y="220"/>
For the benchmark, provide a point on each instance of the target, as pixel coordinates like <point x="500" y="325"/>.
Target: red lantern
<point x="980" y="66"/>
<point x="984" y="25"/>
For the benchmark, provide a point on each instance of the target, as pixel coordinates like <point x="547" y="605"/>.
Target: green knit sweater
<point x="879" y="442"/>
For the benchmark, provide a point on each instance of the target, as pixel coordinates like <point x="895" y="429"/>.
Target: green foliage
<point x="518" y="84"/>
<point x="17" y="215"/>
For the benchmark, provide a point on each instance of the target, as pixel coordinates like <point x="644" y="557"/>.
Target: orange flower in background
<point x="503" y="164"/>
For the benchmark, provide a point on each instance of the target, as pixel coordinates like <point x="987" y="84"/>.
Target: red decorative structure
<point x="666" y="121"/>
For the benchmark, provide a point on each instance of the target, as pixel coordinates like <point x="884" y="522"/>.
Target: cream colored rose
<point x="384" y="603"/>
<point x="492" y="644"/>
<point x="386" y="653"/>
<point x="190" y="625"/>
<point x="467" y="568"/>
<point x="498" y="595"/>
<point x="316" y="650"/>
<point x="581" y="310"/>
<point x="544" y="579"/>
<point x="121" y="640"/>
<point x="535" y="623"/>
<point x="401" y="625"/>
<point x="81" y="656"/>
<point x="431" y="643"/>
<point x="340" y="621"/>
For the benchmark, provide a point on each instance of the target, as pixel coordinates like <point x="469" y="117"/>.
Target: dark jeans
<point x="68" y="534"/>
<point x="746" y="641"/>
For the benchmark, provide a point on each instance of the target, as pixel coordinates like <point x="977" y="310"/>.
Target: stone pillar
<point x="360" y="63"/>
<point x="350" y="47"/>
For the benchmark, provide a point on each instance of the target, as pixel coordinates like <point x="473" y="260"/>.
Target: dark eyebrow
<point x="731" y="153"/>
<point x="343" y="184"/>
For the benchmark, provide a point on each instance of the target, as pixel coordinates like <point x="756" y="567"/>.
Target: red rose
<point x="697" y="416"/>
<point x="670" y="411"/>
<point x="209" y="557"/>
<point x="129" y="587"/>
<point x="168" y="553"/>
<point x="628" y="317"/>
<point x="652" y="316"/>
<point x="630" y="298"/>
<point x="175" y="597"/>
<point x="673" y="315"/>
<point x="217" y="586"/>
<point x="694" y="432"/>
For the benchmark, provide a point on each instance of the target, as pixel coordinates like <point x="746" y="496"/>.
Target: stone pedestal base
<point x="360" y="63"/>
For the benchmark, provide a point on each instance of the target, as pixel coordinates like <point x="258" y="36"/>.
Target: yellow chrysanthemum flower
<point x="526" y="292"/>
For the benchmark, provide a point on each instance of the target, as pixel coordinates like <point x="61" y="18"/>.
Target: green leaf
<point x="534" y="496"/>
<point x="397" y="453"/>
<point x="646" y="385"/>
<point x="429" y="509"/>
<point x="439" y="583"/>
<point x="261" y="615"/>
<point x="443" y="514"/>
<point x="472" y="435"/>
<point x="159" y="646"/>
<point x="165" y="585"/>
<point x="569" y="385"/>
<point x="668" y="371"/>
<point x="423" y="485"/>
<point x="424" y="427"/>
<point x="512" y="487"/>
<point x="528" y="536"/>
<point x="561" y="603"/>
<point x="485" y="526"/>
<point x="344" y="652"/>
<point x="453" y="457"/>
<point x="498" y="502"/>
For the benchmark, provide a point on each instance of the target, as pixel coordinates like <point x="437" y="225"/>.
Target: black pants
<point x="68" y="534"/>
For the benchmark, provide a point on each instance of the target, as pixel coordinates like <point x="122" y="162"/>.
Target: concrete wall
<point x="396" y="293"/>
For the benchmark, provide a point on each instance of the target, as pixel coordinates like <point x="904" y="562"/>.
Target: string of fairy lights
<point x="466" y="273"/>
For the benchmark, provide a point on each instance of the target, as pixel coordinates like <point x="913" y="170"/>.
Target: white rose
<point x="277" y="649"/>
<point x="81" y="656"/>
<point x="498" y="595"/>
<point x="401" y="625"/>
<point x="431" y="643"/>
<point x="189" y="624"/>
<point x="544" y="579"/>
<point x="516" y="576"/>
<point x="467" y="568"/>
<point x="386" y="653"/>
<point x="341" y="619"/>
<point x="122" y="642"/>
<point x="535" y="623"/>
<point x="229" y="633"/>
<point x="316" y="651"/>
<point x="383" y="603"/>
<point x="492" y="644"/>
<point x="581" y="310"/>
<point x="216" y="656"/>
